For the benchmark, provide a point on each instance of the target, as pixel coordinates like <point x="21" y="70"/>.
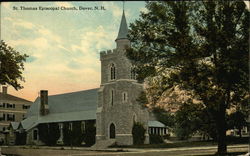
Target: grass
<point x="173" y="145"/>
<point x="230" y="141"/>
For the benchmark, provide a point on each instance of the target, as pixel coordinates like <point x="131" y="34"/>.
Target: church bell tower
<point x="118" y="108"/>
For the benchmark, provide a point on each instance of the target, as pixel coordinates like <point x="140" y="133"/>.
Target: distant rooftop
<point x="4" y="96"/>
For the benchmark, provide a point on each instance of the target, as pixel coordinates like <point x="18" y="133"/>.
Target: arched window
<point x="112" y="72"/>
<point x="112" y="131"/>
<point x="35" y="134"/>
<point x="133" y="73"/>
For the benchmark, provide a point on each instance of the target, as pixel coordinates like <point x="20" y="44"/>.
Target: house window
<point x="10" y="117"/>
<point x="14" y="105"/>
<point x="2" y="116"/>
<point x="26" y="107"/>
<point x="112" y="97"/>
<point x="35" y="133"/>
<point x="112" y="72"/>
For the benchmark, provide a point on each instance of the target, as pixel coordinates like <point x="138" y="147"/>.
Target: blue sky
<point x="63" y="45"/>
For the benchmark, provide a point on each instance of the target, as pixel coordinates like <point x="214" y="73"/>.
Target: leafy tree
<point x="138" y="132"/>
<point x="200" y="47"/>
<point x="11" y="66"/>
<point x="164" y="116"/>
<point x="188" y="120"/>
<point x="237" y="120"/>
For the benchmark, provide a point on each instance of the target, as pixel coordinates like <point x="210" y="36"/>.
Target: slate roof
<point x="155" y="124"/>
<point x="11" y="98"/>
<point x="73" y="106"/>
<point x="123" y="30"/>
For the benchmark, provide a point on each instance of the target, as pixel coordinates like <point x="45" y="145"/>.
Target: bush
<point x="49" y="133"/>
<point x="76" y="134"/>
<point x="20" y="138"/>
<point x="72" y="136"/>
<point x="155" y="139"/>
<point x="89" y="133"/>
<point x="138" y="133"/>
<point x="66" y="134"/>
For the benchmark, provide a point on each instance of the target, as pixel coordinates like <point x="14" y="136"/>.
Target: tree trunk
<point x="240" y="132"/>
<point x="221" y="127"/>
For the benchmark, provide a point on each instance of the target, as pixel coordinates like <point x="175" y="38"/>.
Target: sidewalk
<point x="84" y="151"/>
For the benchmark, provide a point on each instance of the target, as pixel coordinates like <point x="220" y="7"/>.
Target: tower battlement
<point x="107" y="53"/>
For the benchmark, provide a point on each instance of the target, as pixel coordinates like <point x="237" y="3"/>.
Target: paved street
<point x="57" y="151"/>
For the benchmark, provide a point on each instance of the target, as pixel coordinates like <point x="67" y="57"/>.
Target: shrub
<point x="66" y="134"/>
<point x="155" y="139"/>
<point x="138" y="133"/>
<point x="89" y="133"/>
<point x="49" y="133"/>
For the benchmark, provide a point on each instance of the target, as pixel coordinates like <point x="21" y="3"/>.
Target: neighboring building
<point x="12" y="109"/>
<point x="113" y="107"/>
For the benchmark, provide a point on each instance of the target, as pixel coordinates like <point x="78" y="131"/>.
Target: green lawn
<point x="230" y="141"/>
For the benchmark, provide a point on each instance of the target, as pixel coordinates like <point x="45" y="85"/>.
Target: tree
<point x="237" y="120"/>
<point x="200" y="47"/>
<point x="11" y="66"/>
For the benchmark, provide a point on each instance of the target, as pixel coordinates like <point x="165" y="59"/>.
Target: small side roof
<point x="155" y="124"/>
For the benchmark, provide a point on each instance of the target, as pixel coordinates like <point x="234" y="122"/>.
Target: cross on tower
<point x="123" y="5"/>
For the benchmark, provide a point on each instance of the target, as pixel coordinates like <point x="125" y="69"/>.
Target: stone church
<point x="113" y="107"/>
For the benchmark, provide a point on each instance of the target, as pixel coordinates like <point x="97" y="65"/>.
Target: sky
<point x="63" y="45"/>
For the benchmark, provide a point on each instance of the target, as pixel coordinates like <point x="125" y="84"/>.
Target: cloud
<point x="48" y="34"/>
<point x="6" y="4"/>
<point x="116" y="10"/>
<point x="39" y="42"/>
<point x="20" y="23"/>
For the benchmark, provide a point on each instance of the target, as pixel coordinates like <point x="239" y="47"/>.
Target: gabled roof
<point x="14" y="125"/>
<point x="12" y="98"/>
<point x="123" y="30"/>
<point x="73" y="106"/>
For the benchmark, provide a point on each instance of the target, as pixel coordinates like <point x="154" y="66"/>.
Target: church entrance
<point x="112" y="131"/>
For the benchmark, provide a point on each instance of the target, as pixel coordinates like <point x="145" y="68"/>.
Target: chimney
<point x="5" y="90"/>
<point x="44" y="107"/>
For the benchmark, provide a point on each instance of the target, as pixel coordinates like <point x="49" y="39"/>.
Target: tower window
<point x="112" y="97"/>
<point x="112" y="72"/>
<point x="124" y="96"/>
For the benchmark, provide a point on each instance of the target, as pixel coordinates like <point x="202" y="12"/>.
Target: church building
<point x="113" y="107"/>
